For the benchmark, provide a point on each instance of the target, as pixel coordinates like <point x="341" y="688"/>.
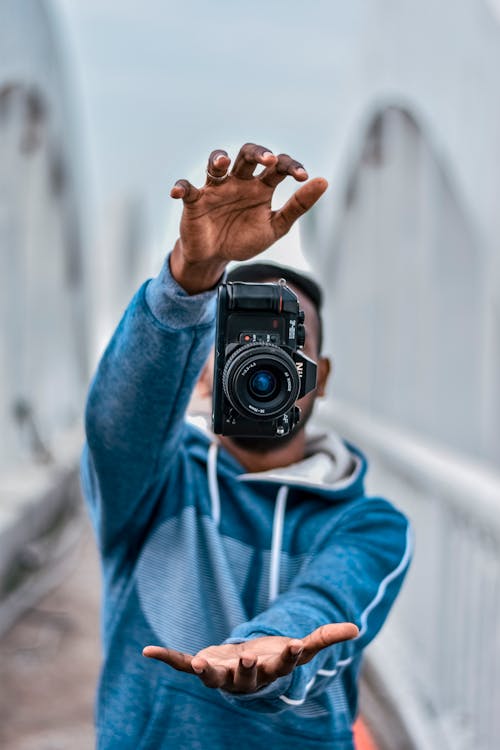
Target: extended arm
<point x="307" y="635"/>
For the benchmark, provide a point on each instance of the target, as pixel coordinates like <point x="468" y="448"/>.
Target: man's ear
<point x="324" y="368"/>
<point x="204" y="385"/>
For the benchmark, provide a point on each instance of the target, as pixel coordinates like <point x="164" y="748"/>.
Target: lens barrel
<point x="261" y="381"/>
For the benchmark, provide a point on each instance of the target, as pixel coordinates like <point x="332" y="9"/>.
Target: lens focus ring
<point x="261" y="381"/>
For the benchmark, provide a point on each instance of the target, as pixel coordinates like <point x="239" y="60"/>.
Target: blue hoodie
<point x="197" y="552"/>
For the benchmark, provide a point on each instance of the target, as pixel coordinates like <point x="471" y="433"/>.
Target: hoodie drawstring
<point x="278" y="520"/>
<point x="277" y="539"/>
<point x="213" y="485"/>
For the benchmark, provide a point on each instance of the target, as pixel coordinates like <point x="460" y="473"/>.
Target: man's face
<point x="306" y="404"/>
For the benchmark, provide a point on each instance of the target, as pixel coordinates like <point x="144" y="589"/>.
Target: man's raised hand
<point x="249" y="666"/>
<point x="230" y="217"/>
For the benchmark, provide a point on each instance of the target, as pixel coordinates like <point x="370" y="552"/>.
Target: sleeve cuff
<point x="273" y="690"/>
<point x="172" y="306"/>
<point x="263" y="701"/>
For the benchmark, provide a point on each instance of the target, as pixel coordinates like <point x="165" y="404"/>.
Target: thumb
<point x="325" y="636"/>
<point x="301" y="201"/>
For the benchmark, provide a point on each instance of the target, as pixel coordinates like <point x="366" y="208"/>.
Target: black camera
<point x="259" y="373"/>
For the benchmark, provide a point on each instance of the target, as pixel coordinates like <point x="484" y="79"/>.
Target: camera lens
<point x="261" y="381"/>
<point x="262" y="384"/>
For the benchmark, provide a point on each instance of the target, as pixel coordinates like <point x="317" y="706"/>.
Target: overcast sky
<point x="162" y="84"/>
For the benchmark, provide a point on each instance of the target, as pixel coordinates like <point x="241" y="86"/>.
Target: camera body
<point x="259" y="372"/>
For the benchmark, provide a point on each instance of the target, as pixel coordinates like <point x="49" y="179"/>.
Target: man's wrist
<point x="195" y="277"/>
<point x="173" y="307"/>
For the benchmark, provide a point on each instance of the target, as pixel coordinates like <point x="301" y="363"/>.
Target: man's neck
<point x="254" y="461"/>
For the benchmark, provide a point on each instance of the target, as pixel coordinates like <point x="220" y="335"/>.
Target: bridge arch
<point x="44" y="342"/>
<point x="407" y="294"/>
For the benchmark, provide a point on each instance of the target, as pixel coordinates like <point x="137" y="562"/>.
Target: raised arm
<point x="137" y="401"/>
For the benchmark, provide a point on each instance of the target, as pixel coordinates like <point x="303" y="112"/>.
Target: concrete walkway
<point x="49" y="663"/>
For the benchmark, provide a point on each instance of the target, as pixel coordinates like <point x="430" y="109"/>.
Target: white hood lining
<point x="329" y="465"/>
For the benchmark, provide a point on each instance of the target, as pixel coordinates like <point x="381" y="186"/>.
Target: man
<point x="261" y="571"/>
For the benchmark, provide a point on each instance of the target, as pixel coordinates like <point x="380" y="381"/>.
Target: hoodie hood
<point x="332" y="467"/>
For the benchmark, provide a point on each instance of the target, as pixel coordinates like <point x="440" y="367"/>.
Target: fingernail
<point x="266" y="154"/>
<point x="248" y="662"/>
<point x="301" y="170"/>
<point x="198" y="670"/>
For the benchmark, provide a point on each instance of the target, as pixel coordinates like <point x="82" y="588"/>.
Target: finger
<point x="326" y="636"/>
<point x="300" y="202"/>
<point x="284" y="166"/>
<point x="218" y="164"/>
<point x="286" y="661"/>
<point x="183" y="189"/>
<point x="212" y="676"/>
<point x="245" y="677"/>
<point x="175" y="659"/>
<point x="249" y="156"/>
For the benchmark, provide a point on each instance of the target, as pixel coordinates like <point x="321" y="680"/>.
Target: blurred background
<point x="103" y="105"/>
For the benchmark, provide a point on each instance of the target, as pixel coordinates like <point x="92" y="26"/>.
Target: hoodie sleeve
<point x="354" y="575"/>
<point x="137" y="400"/>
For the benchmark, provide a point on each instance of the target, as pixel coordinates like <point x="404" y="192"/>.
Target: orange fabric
<point x="362" y="737"/>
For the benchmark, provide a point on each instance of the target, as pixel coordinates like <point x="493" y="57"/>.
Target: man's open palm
<point x="246" y="667"/>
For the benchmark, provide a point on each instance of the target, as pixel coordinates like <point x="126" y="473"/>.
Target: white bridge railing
<point x="439" y="655"/>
